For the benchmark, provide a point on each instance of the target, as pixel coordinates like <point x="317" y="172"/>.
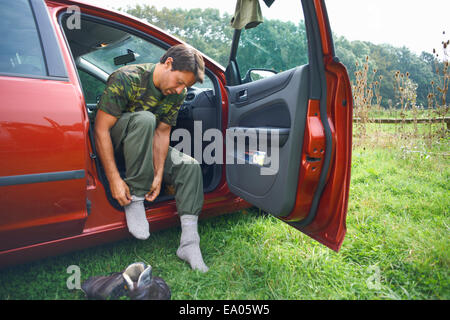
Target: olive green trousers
<point x="132" y="138"/>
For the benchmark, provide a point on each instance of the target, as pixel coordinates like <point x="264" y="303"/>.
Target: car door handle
<point x="242" y="95"/>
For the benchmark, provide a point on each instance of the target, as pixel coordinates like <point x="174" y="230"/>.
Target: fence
<point x="408" y="120"/>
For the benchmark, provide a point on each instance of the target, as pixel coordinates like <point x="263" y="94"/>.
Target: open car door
<point x="288" y="144"/>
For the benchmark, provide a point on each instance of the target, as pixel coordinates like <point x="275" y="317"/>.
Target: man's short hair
<point x="186" y="59"/>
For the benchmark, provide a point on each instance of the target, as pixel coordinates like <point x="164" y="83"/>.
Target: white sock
<point x="136" y="220"/>
<point x="189" y="249"/>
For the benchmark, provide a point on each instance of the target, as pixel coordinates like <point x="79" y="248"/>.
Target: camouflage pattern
<point x="134" y="141"/>
<point x="131" y="89"/>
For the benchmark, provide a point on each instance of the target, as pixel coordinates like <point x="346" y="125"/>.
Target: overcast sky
<point x="416" y="24"/>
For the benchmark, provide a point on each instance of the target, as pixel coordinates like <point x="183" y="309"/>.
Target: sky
<point x="416" y="24"/>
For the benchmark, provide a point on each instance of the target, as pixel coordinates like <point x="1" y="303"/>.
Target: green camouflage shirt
<point x="131" y="89"/>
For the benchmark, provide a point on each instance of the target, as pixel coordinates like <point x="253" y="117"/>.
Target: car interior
<point x="99" y="47"/>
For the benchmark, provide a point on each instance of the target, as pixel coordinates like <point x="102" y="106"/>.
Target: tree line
<point x="211" y="33"/>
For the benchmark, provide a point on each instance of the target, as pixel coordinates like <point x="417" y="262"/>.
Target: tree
<point x="204" y="29"/>
<point x="273" y="44"/>
<point x="211" y="33"/>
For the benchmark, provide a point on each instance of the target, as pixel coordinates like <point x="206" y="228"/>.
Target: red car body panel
<point x="51" y="135"/>
<point x="41" y="136"/>
<point x="32" y="233"/>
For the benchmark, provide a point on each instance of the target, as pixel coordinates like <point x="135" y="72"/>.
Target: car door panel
<point x="309" y="189"/>
<point x="42" y="163"/>
<point x="43" y="153"/>
<point x="268" y="191"/>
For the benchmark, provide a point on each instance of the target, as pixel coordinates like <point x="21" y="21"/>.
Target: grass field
<point x="396" y="247"/>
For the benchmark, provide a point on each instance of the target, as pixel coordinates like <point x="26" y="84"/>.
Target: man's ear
<point x="168" y="63"/>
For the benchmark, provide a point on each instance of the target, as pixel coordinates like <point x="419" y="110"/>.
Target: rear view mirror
<point x="126" y="58"/>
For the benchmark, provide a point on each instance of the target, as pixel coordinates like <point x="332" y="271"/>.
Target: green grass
<point x="396" y="247"/>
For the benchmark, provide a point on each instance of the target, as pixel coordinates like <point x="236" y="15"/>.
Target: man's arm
<point x="103" y="125"/>
<point x="161" y="141"/>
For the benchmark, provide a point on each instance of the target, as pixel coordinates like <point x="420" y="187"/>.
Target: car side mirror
<point x="258" y="74"/>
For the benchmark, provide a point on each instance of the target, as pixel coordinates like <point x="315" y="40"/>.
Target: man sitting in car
<point x="136" y="112"/>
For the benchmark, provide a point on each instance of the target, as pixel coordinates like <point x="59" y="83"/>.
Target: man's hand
<point x="120" y="191"/>
<point x="155" y="189"/>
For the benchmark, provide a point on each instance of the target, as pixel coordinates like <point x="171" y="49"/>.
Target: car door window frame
<point x="233" y="72"/>
<point x="117" y="25"/>
<point x="56" y="69"/>
<point x="216" y="99"/>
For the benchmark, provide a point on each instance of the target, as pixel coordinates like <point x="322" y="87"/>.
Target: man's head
<point x="182" y="67"/>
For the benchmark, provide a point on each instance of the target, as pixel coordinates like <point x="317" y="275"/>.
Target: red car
<point x="55" y="58"/>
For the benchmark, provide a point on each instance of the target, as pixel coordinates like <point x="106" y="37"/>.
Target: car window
<point x="100" y="49"/>
<point x="92" y="87"/>
<point x="20" y="48"/>
<point x="279" y="43"/>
